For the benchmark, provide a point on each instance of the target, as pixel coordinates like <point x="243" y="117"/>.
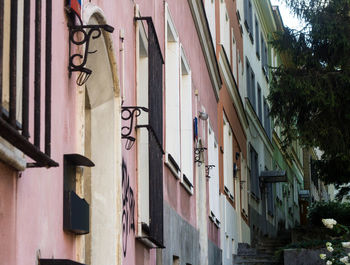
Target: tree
<point x="310" y="91"/>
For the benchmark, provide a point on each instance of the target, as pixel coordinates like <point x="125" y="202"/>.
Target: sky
<point x="289" y="19"/>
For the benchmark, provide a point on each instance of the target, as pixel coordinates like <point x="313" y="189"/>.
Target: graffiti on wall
<point x="128" y="207"/>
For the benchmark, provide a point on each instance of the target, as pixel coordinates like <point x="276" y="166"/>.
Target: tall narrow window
<point x="264" y="55"/>
<point x="143" y="135"/>
<point x="252" y="88"/>
<point x="228" y="158"/>
<point x="150" y="94"/>
<point x="259" y="104"/>
<point x="234" y="57"/>
<point x="270" y="201"/>
<point x="257" y="43"/>
<point x="225" y="29"/>
<point x="248" y="17"/>
<point x="254" y="173"/>
<point x="186" y="123"/>
<point x="172" y="92"/>
<point x="209" y="6"/>
<point x="214" y="199"/>
<point x="247" y="74"/>
<point x="267" y="120"/>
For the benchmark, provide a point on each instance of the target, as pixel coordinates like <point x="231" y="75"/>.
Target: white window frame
<point x="186" y="121"/>
<point x="142" y="139"/>
<point x="209" y="6"/>
<point x="214" y="192"/>
<point x="225" y="29"/>
<point x="172" y="95"/>
<point x="228" y="158"/>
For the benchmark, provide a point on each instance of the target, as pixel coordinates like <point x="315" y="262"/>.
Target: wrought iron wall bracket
<point x="207" y="169"/>
<point x="197" y="155"/>
<point x="128" y="114"/>
<point x="79" y="35"/>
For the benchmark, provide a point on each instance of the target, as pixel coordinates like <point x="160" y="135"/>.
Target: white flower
<point x="330" y="249"/>
<point x="346" y="244"/>
<point x="329" y="223"/>
<point x="329" y="262"/>
<point x="323" y="256"/>
<point x="344" y="259"/>
<point x="328" y="244"/>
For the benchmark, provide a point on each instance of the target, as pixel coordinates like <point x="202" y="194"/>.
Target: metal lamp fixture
<point x="88" y="32"/>
<point x="203" y="116"/>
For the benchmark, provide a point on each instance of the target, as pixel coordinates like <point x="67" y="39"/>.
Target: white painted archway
<point x="102" y="144"/>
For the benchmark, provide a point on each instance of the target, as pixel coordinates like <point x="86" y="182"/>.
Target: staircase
<point x="262" y="254"/>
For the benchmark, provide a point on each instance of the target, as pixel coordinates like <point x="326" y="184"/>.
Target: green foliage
<point x="324" y="210"/>
<point x="310" y="91"/>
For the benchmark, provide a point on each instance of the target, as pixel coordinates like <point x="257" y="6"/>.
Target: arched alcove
<point x="102" y="141"/>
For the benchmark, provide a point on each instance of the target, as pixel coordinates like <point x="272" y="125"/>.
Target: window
<point x="270" y="201"/>
<point x="244" y="185"/>
<point x="209" y="6"/>
<point x="186" y="122"/>
<point x="295" y="190"/>
<point x="179" y="126"/>
<point x="248" y="17"/>
<point x="267" y="120"/>
<point x="264" y="55"/>
<point x="259" y="104"/>
<point x="234" y="57"/>
<point x="16" y="67"/>
<point x="254" y="173"/>
<point x="142" y="135"/>
<point x="213" y="154"/>
<point x="257" y="45"/>
<point x="150" y="151"/>
<point x="225" y="29"/>
<point x="172" y="93"/>
<point x="228" y="158"/>
<point x="251" y="85"/>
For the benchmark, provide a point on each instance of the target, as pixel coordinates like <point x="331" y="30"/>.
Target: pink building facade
<point x="112" y="133"/>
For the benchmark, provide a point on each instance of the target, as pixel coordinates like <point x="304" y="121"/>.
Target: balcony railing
<point x="18" y="97"/>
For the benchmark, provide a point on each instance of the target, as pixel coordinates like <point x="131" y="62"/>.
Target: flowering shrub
<point x="338" y="254"/>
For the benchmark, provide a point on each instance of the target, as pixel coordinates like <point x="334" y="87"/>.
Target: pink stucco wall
<point x="31" y="207"/>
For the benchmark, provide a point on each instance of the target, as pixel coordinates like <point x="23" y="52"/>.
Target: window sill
<point x="214" y="219"/>
<point x="256" y="198"/>
<point x="258" y="55"/>
<point x="12" y="156"/>
<point x="187" y="187"/>
<point x="171" y="166"/>
<point x="229" y="194"/>
<point x="251" y="38"/>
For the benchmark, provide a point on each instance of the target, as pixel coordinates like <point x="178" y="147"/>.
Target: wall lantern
<point x="75" y="209"/>
<point x="128" y="114"/>
<point x="208" y="168"/>
<point x="80" y="34"/>
<point x="203" y="116"/>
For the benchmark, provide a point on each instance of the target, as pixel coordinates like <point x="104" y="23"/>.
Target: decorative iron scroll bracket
<point x="197" y="155"/>
<point x="78" y="61"/>
<point x="128" y="114"/>
<point x="207" y="169"/>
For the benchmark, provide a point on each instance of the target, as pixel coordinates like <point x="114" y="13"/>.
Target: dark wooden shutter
<point x="155" y="102"/>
